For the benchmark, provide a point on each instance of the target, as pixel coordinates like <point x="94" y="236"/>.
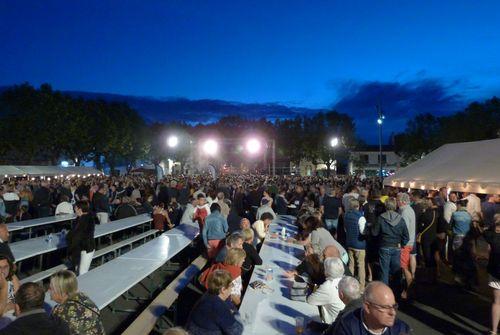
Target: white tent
<point x="49" y="171"/>
<point x="463" y="167"/>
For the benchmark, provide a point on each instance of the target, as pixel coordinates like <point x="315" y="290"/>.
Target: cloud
<point x="400" y="101"/>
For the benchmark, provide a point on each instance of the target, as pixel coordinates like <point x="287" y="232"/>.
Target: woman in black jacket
<point x="81" y="243"/>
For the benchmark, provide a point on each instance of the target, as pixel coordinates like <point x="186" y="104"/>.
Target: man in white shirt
<point x="326" y="295"/>
<point x="64" y="206"/>
<point x="450" y="207"/>
<point x="473" y="207"/>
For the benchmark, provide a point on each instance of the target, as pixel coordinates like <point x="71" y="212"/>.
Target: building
<point x="365" y="160"/>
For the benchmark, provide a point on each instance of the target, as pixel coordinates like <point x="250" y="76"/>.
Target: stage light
<point x="64" y="164"/>
<point x="210" y="147"/>
<point x="253" y="146"/>
<point x="334" y="142"/>
<point x="379" y="121"/>
<point x="172" y="141"/>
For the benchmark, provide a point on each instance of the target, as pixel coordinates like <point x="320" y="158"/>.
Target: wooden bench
<point x="146" y="321"/>
<point x="98" y="254"/>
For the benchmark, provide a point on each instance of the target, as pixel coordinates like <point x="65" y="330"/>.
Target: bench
<point x="146" y="321"/>
<point x="115" y="248"/>
<point x="98" y="254"/>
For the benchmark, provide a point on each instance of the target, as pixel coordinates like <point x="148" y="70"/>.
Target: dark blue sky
<point x="411" y="56"/>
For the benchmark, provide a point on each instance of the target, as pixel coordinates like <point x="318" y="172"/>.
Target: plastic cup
<point x="299" y="325"/>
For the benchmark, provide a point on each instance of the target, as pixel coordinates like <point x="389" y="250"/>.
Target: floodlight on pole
<point x="172" y="141"/>
<point x="334" y="142"/>
<point x="380" y="121"/>
<point x="253" y="146"/>
<point x="210" y="147"/>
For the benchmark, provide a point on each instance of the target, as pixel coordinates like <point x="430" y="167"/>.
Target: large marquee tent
<point x="463" y="167"/>
<point x="8" y="171"/>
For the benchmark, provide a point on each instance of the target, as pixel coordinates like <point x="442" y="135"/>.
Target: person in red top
<point x="202" y="211"/>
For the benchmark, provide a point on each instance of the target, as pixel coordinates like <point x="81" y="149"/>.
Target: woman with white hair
<point x="327" y="294"/>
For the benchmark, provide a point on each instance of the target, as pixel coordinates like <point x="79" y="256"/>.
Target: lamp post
<point x="333" y="143"/>
<point x="380" y="121"/>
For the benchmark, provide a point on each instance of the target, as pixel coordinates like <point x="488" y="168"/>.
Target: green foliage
<point x="426" y="132"/>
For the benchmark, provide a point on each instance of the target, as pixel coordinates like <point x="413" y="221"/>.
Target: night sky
<point x="409" y="56"/>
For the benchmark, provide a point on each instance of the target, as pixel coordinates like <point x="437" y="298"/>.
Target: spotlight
<point x="172" y="141"/>
<point x="253" y="146"/>
<point x="210" y="147"/>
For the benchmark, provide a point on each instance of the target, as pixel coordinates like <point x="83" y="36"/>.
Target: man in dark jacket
<point x="4" y="240"/>
<point x="42" y="200"/>
<point x="31" y="317"/>
<point x="376" y="316"/>
<point x="100" y="202"/>
<point x="393" y="234"/>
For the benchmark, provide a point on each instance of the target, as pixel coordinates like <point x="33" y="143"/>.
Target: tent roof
<point x="464" y="167"/>
<point x="31" y="170"/>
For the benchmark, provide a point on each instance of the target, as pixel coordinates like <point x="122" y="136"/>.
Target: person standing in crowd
<point x="489" y="209"/>
<point x="331" y="208"/>
<point x="80" y="240"/>
<point x="187" y="216"/>
<point x="202" y="211"/>
<point x="450" y="207"/>
<point x="214" y="231"/>
<point x="377" y="316"/>
<point x="125" y="209"/>
<point x="393" y="234"/>
<point x="211" y="314"/>
<point x="31" y="317"/>
<point x="461" y="222"/>
<point x="42" y="201"/>
<point x="371" y="211"/>
<point x="161" y="218"/>
<point x="473" y="207"/>
<point x="74" y="308"/>
<point x="354" y="224"/>
<point x="100" y="203"/>
<point x="224" y="208"/>
<point x="427" y="238"/>
<point x="492" y="237"/>
<point x="408" y="251"/>
<point x="326" y="296"/>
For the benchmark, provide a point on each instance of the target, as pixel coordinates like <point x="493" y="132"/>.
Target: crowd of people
<point x="363" y="244"/>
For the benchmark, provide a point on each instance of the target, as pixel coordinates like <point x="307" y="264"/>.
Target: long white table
<point x="274" y="312"/>
<point x="29" y="224"/>
<point x="38" y="246"/>
<point x="107" y="282"/>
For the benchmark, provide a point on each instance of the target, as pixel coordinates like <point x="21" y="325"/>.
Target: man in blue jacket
<point x="376" y="316"/>
<point x="393" y="234"/>
<point x="214" y="231"/>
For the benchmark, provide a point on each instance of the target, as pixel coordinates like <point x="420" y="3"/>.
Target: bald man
<point x="377" y="316"/>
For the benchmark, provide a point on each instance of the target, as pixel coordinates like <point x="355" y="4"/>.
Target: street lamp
<point x="333" y="143"/>
<point x="380" y="121"/>
<point x="172" y="141"/>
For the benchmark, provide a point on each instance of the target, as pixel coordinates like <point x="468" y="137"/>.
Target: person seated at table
<point x="64" y="207"/>
<point x="211" y="314"/>
<point x="4" y="242"/>
<point x="252" y="256"/>
<point x="233" y="241"/>
<point x="161" y="219"/>
<point x="262" y="226"/>
<point x="311" y="268"/>
<point x="233" y="263"/>
<point x="265" y="207"/>
<point x="281" y="203"/>
<point x="31" y="317"/>
<point x="326" y="296"/>
<point x="350" y="294"/>
<point x="125" y="209"/>
<point x="214" y="231"/>
<point x="74" y="308"/>
<point x="245" y="224"/>
<point x="376" y="316"/>
<point x="11" y="282"/>
<point x="80" y="240"/>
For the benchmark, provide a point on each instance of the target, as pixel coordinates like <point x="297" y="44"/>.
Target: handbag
<point x="299" y="289"/>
